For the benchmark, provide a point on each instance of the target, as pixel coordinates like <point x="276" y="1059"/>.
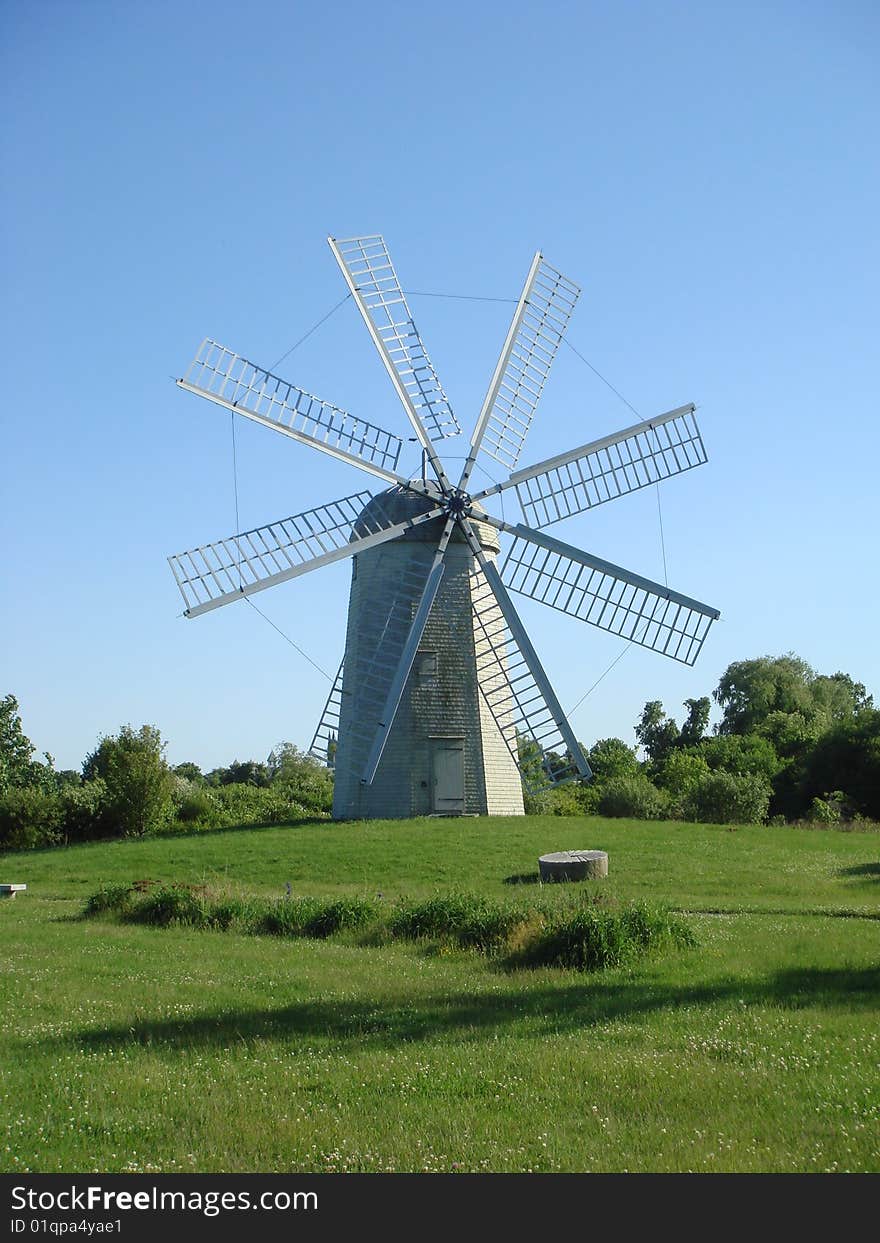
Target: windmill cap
<point x="398" y="505"/>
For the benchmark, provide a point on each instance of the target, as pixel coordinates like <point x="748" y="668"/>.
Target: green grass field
<point x="132" y="1048"/>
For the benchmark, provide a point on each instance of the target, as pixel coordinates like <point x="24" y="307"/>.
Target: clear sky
<point x="707" y="172"/>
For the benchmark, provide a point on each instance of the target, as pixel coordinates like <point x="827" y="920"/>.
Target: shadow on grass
<point x="870" y="871"/>
<point x="540" y="1011"/>
<point x="523" y="878"/>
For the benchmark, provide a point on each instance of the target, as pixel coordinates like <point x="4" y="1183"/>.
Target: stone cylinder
<point x="573" y="865"/>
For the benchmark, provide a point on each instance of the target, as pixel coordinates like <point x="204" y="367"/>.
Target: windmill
<point x="441" y="705"/>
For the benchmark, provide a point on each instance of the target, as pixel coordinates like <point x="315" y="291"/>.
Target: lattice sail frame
<point x="573" y="482"/>
<point x="514" y="684"/>
<point x="226" y="378"/>
<point x="251" y="561"/>
<point x="367" y="267"/>
<point x="607" y="596"/>
<point x="524" y="718"/>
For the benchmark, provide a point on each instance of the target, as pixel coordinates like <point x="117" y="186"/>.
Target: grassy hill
<point x="136" y="1048"/>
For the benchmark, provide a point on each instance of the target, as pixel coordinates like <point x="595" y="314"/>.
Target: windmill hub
<point x="458" y="505"/>
<point x="442" y="705"/>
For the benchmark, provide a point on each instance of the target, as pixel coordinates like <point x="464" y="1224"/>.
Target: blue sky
<point x="708" y="173"/>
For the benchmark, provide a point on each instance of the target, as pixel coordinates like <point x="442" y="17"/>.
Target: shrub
<point x="831" y="809"/>
<point x="245" y="804"/>
<point x="591" y="939"/>
<point x="194" y="803"/>
<point x="611" y="757"/>
<point x="573" y="798"/>
<point x="728" y="798"/>
<point x="635" y="797"/>
<point x="681" y="771"/>
<point x="138" y="781"/>
<point x="30" y="818"/>
<point x="339" y="915"/>
<point x="240" y="913"/>
<point x="305" y="780"/>
<point x="468" y="921"/>
<point x="85" y="810"/>
<point x="117" y="899"/>
<point x="288" y="917"/>
<point x="170" y="904"/>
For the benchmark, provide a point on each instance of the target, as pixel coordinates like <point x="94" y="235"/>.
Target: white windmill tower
<point x="441" y="703"/>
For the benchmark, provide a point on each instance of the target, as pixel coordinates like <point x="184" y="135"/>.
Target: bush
<point x="239" y="913"/>
<point x="85" y="810"/>
<point x="304" y="780"/>
<point x="341" y="915"/>
<point x="681" y="771"/>
<point x="288" y="917"/>
<point x="138" y="782"/>
<point x="313" y="917"/>
<point x="591" y="939"/>
<point x="118" y="899"/>
<point x="194" y="803"/>
<point x="634" y="797"/>
<point x="30" y="818"/>
<point x="170" y="904"/>
<point x="587" y="938"/>
<point x="611" y="757"/>
<point x="572" y="798"/>
<point x="728" y="798"/>
<point x="244" y="804"/>
<point x="831" y="809"/>
<point x="468" y="921"/>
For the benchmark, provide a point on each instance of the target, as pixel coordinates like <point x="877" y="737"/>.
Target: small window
<point x="427" y="668"/>
<point x="354" y="567"/>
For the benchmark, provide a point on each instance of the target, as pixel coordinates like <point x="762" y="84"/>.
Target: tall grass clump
<point x="111" y="899"/>
<point x="170" y="904"/>
<point x="592" y="939"/>
<point x="585" y="936"/>
<point x="314" y="917"/>
<point x="463" y="919"/>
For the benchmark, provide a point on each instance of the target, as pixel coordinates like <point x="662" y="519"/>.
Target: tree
<point x="681" y="771"/>
<point x="16" y="748"/>
<point x="749" y="690"/>
<point x="611" y="757"/>
<point x="245" y="772"/>
<point x="847" y="758"/>
<point x="694" y="728"/>
<point x="656" y="732"/>
<point x="728" y="798"/>
<point x="740" y="754"/>
<point x="189" y="772"/>
<point x="303" y="778"/>
<point x="838" y="698"/>
<point x="138" y="781"/>
<point x="790" y="733"/>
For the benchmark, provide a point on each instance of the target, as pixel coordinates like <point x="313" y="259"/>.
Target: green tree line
<point x="791" y="744"/>
<point x="126" y="788"/>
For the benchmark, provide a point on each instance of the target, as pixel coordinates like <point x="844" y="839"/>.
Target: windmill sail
<point x="384" y="625"/>
<point x="370" y="275"/>
<point x="231" y="381"/>
<point x="605" y="595"/>
<point x="326" y="737"/>
<point x="218" y="573"/>
<point x="574" y="482"/>
<point x="408" y="654"/>
<point x="538" y="325"/>
<point x="517" y="692"/>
